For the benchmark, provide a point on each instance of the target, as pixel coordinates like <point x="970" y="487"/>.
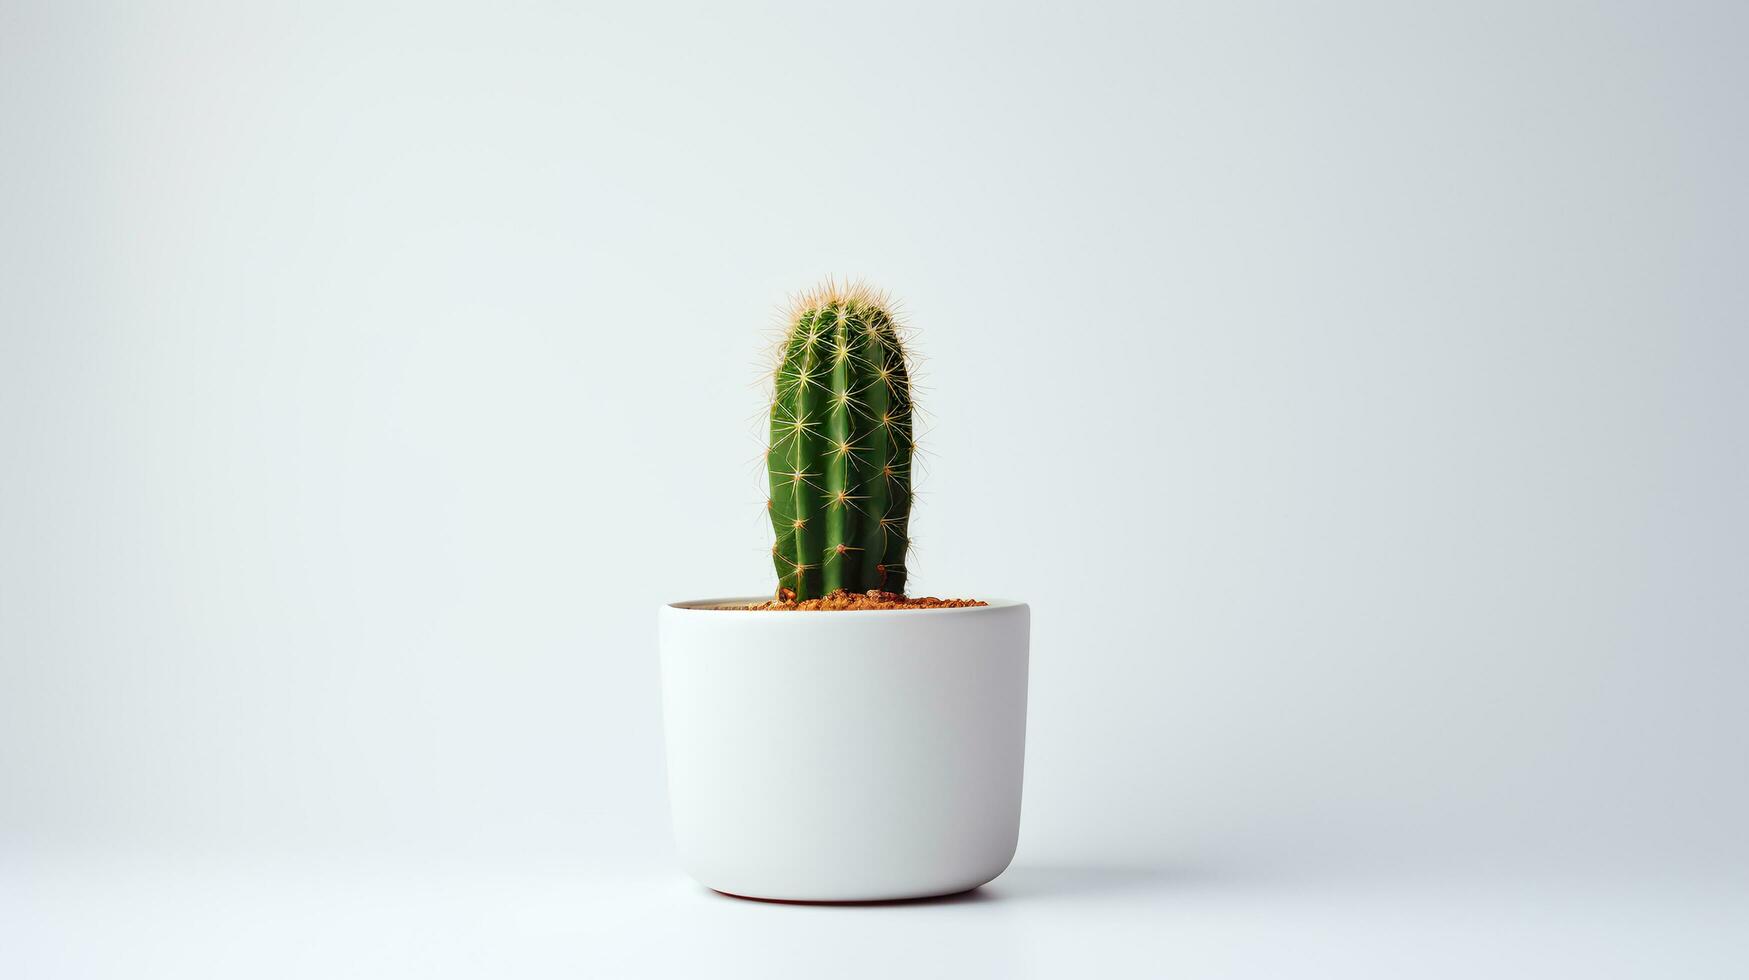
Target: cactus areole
<point x="839" y="458"/>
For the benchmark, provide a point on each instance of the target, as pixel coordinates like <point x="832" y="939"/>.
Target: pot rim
<point x="716" y="606"/>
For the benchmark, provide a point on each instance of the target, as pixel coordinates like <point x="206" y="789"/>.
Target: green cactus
<point x="841" y="442"/>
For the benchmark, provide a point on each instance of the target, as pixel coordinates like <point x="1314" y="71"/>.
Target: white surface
<point x="262" y="917"/>
<point x="1355" y="392"/>
<point x="848" y="756"/>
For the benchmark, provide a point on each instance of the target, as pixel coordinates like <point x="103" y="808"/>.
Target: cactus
<point x="839" y="459"/>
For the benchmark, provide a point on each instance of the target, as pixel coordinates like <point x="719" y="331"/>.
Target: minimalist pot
<point x="844" y="756"/>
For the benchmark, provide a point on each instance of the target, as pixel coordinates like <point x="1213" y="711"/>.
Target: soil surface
<point x="872" y="599"/>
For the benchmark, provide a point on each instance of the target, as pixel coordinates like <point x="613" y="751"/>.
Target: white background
<point x="1356" y="393"/>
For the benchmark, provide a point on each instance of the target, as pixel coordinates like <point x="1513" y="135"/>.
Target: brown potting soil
<point x="843" y="600"/>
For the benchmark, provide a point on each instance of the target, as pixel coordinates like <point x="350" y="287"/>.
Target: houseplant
<point x="841" y="742"/>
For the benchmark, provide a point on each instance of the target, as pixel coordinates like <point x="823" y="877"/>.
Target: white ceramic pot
<point x="845" y="756"/>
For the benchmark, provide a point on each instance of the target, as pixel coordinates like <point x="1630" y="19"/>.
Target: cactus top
<point x="839" y="459"/>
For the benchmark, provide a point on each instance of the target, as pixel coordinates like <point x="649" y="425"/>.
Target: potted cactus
<point x="841" y="741"/>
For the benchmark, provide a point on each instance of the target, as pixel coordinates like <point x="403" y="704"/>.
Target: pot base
<point x="851" y="901"/>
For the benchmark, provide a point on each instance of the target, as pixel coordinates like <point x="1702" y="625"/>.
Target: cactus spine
<point x="839" y="459"/>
